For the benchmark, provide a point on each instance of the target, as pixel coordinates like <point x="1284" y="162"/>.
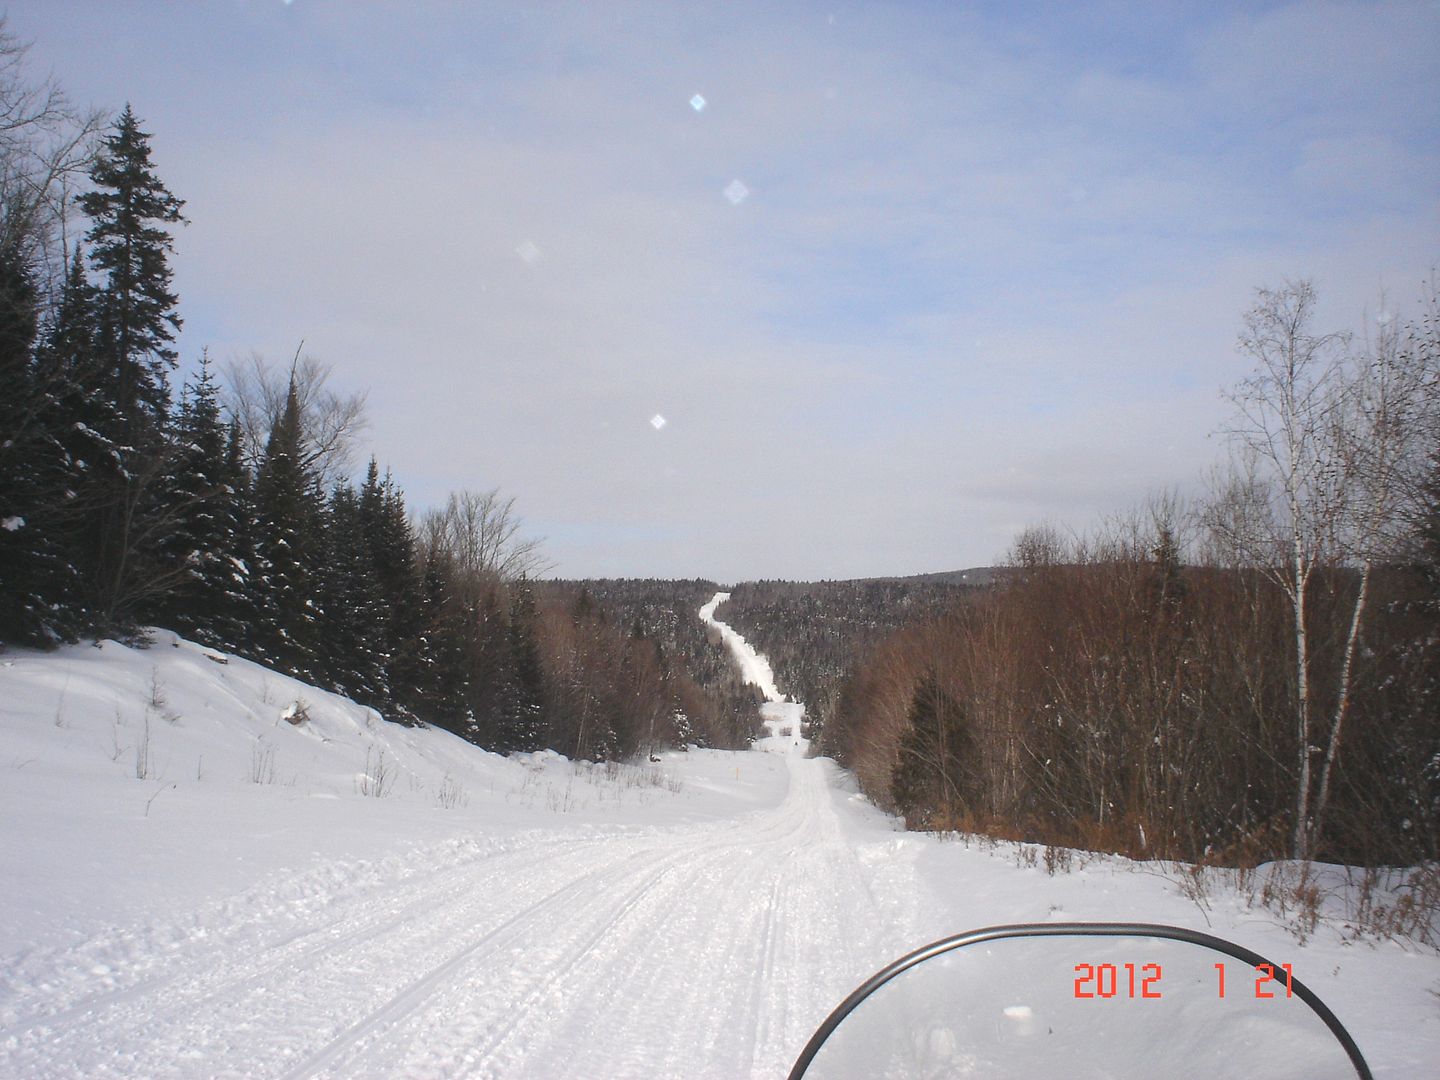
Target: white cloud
<point x="986" y="270"/>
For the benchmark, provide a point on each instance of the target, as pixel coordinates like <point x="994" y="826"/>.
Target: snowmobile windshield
<point x="1083" y="1000"/>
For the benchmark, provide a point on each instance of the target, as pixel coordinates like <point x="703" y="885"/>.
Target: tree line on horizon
<point x="228" y="515"/>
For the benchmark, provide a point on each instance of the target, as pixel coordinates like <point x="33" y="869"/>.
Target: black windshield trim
<point x="1073" y="929"/>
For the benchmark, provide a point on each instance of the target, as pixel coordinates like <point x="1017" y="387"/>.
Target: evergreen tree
<point x="242" y="603"/>
<point x="233" y="582"/>
<point x="929" y="783"/>
<point x="130" y="249"/>
<point x="202" y="489"/>
<point x="522" y="711"/>
<point x="19" y="325"/>
<point x="489" y="662"/>
<point x="371" y="509"/>
<point x="32" y="561"/>
<point x="584" y="608"/>
<point x="133" y="323"/>
<point x="287" y="549"/>
<point x="1427" y="536"/>
<point x="353" y="629"/>
<point x="53" y="453"/>
<point x="440" y="684"/>
<point x="389" y="543"/>
<point x="1167" y="583"/>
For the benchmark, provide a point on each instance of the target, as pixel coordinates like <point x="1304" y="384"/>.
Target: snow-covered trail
<point x="781" y="715"/>
<point x="700" y="951"/>
<point x="244" y="909"/>
<point x="710" y="949"/>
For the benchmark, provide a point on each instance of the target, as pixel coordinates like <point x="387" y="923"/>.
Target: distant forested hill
<point x="666" y="613"/>
<point x="814" y="632"/>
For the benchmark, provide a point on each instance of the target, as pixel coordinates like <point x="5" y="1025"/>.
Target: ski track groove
<point x="602" y="909"/>
<point x="497" y="1048"/>
<point x="161" y="1023"/>
<point x="259" y="960"/>
<point x="573" y="957"/>
<point x="648" y="979"/>
<point x="493" y="942"/>
<point x="221" y="937"/>
<point x="703" y="950"/>
<point x="377" y="923"/>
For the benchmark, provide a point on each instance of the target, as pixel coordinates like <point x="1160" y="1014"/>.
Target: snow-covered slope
<point x="145" y="780"/>
<point x="193" y="886"/>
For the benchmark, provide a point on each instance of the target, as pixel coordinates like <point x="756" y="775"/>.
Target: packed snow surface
<point x="208" y="869"/>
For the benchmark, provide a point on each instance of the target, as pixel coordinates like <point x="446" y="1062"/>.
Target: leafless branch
<point x="256" y="395"/>
<point x="479" y="534"/>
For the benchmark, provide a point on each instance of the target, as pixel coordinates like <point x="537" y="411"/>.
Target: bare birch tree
<point x="1378" y="439"/>
<point x="1286" y="494"/>
<point x="1324" y="437"/>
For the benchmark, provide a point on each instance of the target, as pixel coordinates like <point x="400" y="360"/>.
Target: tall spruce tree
<point x="353" y="629"/>
<point x="371" y="547"/>
<point x="130" y="249"/>
<point x="522" y="712"/>
<point x="134" y="320"/>
<point x="55" y="453"/>
<point x="930" y="782"/>
<point x="287" y="548"/>
<point x="242" y="602"/>
<point x="390" y="542"/>
<point x="203" y="490"/>
<point x="438" y="669"/>
<point x="31" y="464"/>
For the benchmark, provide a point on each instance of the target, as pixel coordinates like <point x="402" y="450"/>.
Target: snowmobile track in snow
<point x="708" y="949"/>
<point x="483" y="963"/>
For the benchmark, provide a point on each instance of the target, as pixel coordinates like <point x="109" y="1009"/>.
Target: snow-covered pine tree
<point x="63" y="457"/>
<point x="288" y="550"/>
<point x="390" y="544"/>
<point x="134" y="321"/>
<point x="241" y="603"/>
<point x="46" y="146"/>
<point x="352" y="633"/>
<point x="522" y="712"/>
<point x="35" y="573"/>
<point x="202" y="496"/>
<point x="437" y="667"/>
<point x="130" y="249"/>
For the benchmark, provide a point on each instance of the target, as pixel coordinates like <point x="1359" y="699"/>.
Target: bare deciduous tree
<point x="478" y="533"/>
<point x="46" y="144"/>
<point x="1381" y="443"/>
<point x="1323" y="437"/>
<point x="1419" y="359"/>
<point x="330" y="421"/>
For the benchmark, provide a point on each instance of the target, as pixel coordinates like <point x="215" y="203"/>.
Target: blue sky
<point x="989" y="270"/>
